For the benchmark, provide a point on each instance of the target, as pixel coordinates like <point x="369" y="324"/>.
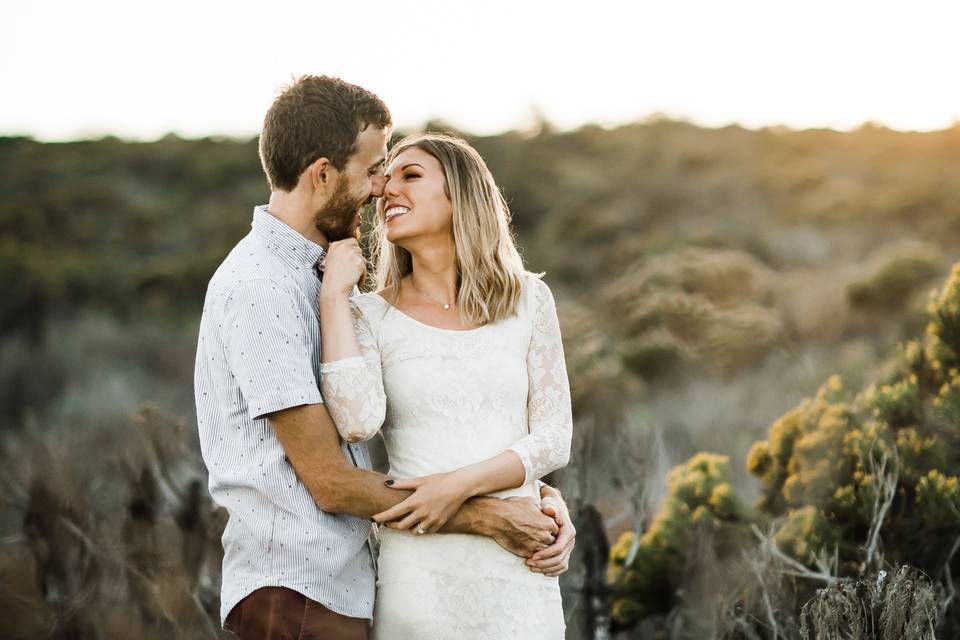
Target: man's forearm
<point x="312" y="445"/>
<point x="353" y="491"/>
<point x="478" y="516"/>
<point x="362" y="493"/>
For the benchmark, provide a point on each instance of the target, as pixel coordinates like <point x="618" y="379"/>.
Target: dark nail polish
<point x="388" y="482"/>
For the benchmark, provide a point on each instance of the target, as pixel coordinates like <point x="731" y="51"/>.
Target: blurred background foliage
<point x="758" y="370"/>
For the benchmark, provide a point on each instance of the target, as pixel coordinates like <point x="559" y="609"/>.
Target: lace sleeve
<point x="353" y="388"/>
<point x="550" y="418"/>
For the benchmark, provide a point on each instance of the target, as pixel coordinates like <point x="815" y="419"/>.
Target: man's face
<point x="358" y="184"/>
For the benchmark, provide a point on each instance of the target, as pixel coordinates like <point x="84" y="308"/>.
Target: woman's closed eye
<point x="411" y="175"/>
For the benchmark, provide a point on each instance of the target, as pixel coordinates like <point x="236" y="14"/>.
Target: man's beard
<point x="340" y="219"/>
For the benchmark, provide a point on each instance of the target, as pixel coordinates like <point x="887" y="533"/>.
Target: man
<point x="296" y="559"/>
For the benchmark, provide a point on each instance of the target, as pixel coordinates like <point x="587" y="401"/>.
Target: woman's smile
<point x="393" y="211"/>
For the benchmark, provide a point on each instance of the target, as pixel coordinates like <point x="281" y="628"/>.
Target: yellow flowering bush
<point x="938" y="501"/>
<point x="700" y="506"/>
<point x="820" y="466"/>
<point x="805" y="533"/>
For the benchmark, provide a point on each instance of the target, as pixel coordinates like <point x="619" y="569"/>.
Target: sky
<point x="141" y="70"/>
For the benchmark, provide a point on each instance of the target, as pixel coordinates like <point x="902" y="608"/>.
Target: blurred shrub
<point x="601" y="381"/>
<point x="895" y="274"/>
<point x="695" y="306"/>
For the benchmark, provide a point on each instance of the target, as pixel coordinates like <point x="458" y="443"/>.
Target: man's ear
<point x="322" y="175"/>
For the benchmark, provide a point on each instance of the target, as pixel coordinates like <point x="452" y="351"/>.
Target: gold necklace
<point x="446" y="306"/>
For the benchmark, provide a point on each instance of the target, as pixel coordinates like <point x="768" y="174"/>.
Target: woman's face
<point x="414" y="203"/>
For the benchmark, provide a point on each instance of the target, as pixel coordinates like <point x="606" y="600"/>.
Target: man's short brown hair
<point x="315" y="117"/>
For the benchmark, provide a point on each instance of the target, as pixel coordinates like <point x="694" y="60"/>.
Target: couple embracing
<point x="455" y="357"/>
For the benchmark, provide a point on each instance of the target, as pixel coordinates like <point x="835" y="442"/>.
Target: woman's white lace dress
<point x="446" y="399"/>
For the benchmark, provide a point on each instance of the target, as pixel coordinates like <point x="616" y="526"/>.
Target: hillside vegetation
<point x="732" y="303"/>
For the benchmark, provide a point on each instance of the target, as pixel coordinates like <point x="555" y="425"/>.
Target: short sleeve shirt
<point x="259" y="352"/>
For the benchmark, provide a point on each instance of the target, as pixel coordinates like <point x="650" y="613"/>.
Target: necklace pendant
<point x="446" y="307"/>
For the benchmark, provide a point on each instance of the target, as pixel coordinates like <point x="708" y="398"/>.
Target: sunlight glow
<point x="141" y="70"/>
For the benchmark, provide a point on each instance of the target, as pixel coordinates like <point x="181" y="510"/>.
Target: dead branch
<point x="796" y="568"/>
<point x="886" y="491"/>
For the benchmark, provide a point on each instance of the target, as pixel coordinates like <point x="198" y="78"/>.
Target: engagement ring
<point x="420" y="531"/>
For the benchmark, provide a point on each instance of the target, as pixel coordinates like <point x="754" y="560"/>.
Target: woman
<point x="458" y="358"/>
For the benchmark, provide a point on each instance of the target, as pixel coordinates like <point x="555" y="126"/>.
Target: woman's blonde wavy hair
<point x="489" y="268"/>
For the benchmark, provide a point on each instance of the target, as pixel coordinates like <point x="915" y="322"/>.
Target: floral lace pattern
<point x="446" y="399"/>
<point x="355" y="387"/>
<point x="461" y="586"/>
<point x="550" y="418"/>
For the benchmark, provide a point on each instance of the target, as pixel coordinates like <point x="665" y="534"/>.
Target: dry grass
<point x="116" y="539"/>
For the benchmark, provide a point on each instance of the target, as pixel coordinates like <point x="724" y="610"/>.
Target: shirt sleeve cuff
<point x="261" y="407"/>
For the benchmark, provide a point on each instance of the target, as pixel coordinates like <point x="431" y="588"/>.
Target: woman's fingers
<point x="558" y="547"/>
<point x="547" y="554"/>
<point x="553" y="513"/>
<point x="395" y="512"/>
<point x="343" y="265"/>
<point x="555" y="559"/>
<point x="409" y="523"/>
<point x="549" y="561"/>
<point x="342" y="250"/>
<point x="552" y="566"/>
<point x="551" y="507"/>
<point x="554" y="569"/>
<point x="412" y="483"/>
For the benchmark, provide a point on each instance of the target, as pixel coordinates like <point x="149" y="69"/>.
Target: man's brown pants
<point x="278" y="613"/>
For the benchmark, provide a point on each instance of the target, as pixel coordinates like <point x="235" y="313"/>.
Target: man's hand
<point x="522" y="528"/>
<point x="555" y="559"/>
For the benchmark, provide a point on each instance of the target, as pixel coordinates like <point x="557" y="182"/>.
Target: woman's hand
<point x="343" y="267"/>
<point x="555" y="559"/>
<point x="434" y="501"/>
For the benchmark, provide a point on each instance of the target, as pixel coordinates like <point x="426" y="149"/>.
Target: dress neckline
<point x="424" y="324"/>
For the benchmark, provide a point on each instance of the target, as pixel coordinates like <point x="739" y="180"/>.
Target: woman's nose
<point x="389" y="187"/>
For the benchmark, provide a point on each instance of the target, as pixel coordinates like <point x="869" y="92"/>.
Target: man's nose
<point x="378" y="184"/>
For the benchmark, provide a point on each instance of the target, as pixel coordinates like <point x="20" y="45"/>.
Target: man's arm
<point x="312" y="445"/>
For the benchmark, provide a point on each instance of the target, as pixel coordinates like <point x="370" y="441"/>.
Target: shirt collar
<point x="292" y="248"/>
